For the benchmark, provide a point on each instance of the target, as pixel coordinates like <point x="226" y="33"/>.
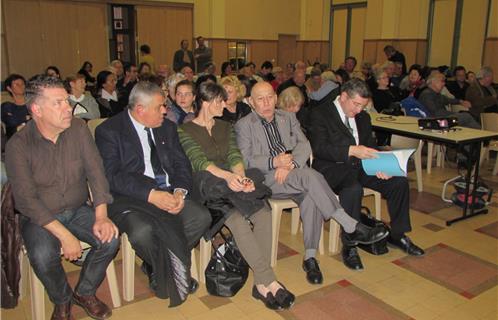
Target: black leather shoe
<point x="313" y="273"/>
<point x="284" y="297"/>
<point x="269" y="301"/>
<point x="406" y="245"/>
<point x="193" y="286"/>
<point x="147" y="269"/>
<point x="351" y="258"/>
<point x="62" y="312"/>
<point x="365" y="235"/>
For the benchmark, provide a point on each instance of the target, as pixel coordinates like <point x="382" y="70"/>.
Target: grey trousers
<point x="255" y="244"/>
<point x="317" y="202"/>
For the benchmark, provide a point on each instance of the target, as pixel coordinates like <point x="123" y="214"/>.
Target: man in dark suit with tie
<point x="150" y="178"/>
<point x="341" y="136"/>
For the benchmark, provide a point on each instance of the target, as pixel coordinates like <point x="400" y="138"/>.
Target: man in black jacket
<point x="150" y="178"/>
<point x="341" y="136"/>
<point x="183" y="57"/>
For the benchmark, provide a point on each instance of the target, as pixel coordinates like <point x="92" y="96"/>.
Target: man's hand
<point x="71" y="247"/>
<point x="382" y="175"/>
<point x="164" y="201"/>
<point x="281" y="174"/>
<point x="282" y="160"/>
<point x="362" y="152"/>
<point x="180" y="202"/>
<point x="104" y="229"/>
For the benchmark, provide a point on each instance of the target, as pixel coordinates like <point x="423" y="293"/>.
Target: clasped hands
<point x="170" y="202"/>
<point x="362" y="152"/>
<point x="238" y="183"/>
<point x="283" y="164"/>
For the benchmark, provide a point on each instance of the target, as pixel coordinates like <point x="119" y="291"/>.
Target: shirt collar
<point x="342" y="115"/>
<point x="81" y="98"/>
<point x="109" y="96"/>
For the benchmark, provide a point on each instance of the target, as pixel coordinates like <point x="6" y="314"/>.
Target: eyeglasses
<point x="356" y="104"/>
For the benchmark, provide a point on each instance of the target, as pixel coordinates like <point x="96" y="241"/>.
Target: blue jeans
<point x="44" y="252"/>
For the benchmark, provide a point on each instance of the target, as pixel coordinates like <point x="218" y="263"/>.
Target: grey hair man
<point x="272" y="141"/>
<point x="436" y="103"/>
<point x="49" y="163"/>
<point x="481" y="93"/>
<point x="151" y="178"/>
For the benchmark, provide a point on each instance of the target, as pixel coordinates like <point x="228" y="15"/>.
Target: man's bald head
<point x="299" y="77"/>
<point x="263" y="99"/>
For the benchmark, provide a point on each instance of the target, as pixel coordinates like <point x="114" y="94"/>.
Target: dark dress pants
<point x="396" y="191"/>
<point x="44" y="252"/>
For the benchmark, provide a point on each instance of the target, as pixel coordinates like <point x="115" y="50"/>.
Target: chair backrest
<point x="489" y="121"/>
<point x="93" y="124"/>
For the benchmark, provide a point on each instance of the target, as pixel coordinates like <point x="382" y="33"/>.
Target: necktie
<point x="154" y="158"/>
<point x="346" y="123"/>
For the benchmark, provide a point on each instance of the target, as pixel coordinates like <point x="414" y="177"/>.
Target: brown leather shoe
<point x="95" y="308"/>
<point x="62" y="312"/>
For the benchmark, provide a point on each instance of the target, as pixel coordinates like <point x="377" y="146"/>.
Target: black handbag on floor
<point x="227" y="270"/>
<point x="380" y="247"/>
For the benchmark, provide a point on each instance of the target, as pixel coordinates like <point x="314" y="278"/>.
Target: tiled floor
<point x="457" y="279"/>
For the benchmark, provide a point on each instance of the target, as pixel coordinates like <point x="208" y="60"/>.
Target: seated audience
<point x="471" y="76"/>
<point x="384" y="95"/>
<point x="266" y="71"/>
<point x="117" y="69"/>
<point x="234" y="109"/>
<point x="226" y="69"/>
<point x="15" y="113"/>
<point x="86" y="70"/>
<point x="342" y="76"/>
<point x="129" y="80"/>
<point x="218" y="166"/>
<point x="278" y="77"/>
<point x="481" y="94"/>
<point x="290" y="100"/>
<point x="163" y="71"/>
<point x="170" y="97"/>
<point x="298" y="80"/>
<point x="458" y="87"/>
<point x="53" y="71"/>
<point x="107" y="96"/>
<point x="413" y="84"/>
<point x="144" y="69"/>
<point x="188" y="73"/>
<point x="151" y="180"/>
<point x="326" y="91"/>
<point x="368" y="75"/>
<point x="183" y="106"/>
<point x="314" y="81"/>
<point x="436" y="103"/>
<point x="349" y="65"/>
<point x="51" y="164"/>
<point x="289" y="71"/>
<point x="341" y="136"/>
<point x="272" y="141"/>
<point x="397" y="74"/>
<point x="83" y="104"/>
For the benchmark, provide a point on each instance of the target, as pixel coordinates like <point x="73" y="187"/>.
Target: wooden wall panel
<point x="261" y="51"/>
<point x="220" y="52"/>
<point x="61" y="33"/>
<point x="162" y="28"/>
<point x="299" y="52"/>
<point x="370" y="51"/>
<point x="491" y="55"/>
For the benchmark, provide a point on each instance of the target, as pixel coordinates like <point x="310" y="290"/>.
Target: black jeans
<point x="44" y="252"/>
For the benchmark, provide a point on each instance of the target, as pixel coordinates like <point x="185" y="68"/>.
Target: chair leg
<point x="321" y="245"/>
<point x="37" y="297"/>
<point x="430" y="148"/>
<point x="276" y="214"/>
<point x="194" y="273"/>
<point x="113" y="285"/>
<point x="378" y="204"/>
<point x="24" y="269"/>
<point x="295" y="221"/>
<point x="495" y="169"/>
<point x="418" y="166"/>
<point x="334" y="236"/>
<point x="128" y="268"/>
<point x="204" y="257"/>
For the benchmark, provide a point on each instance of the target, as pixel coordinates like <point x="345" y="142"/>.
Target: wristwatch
<point x="183" y="191"/>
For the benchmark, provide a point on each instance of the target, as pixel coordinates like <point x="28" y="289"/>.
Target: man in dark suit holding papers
<point x="341" y="136"/>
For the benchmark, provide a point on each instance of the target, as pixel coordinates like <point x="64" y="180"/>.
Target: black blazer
<point x="120" y="148"/>
<point x="330" y="141"/>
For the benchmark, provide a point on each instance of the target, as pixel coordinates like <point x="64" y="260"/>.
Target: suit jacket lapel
<point x="337" y="118"/>
<point x="131" y="135"/>
<point x="161" y="143"/>
<point x="259" y="132"/>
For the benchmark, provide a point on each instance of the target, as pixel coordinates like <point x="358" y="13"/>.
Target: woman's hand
<point x="248" y="185"/>
<point x="234" y="182"/>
